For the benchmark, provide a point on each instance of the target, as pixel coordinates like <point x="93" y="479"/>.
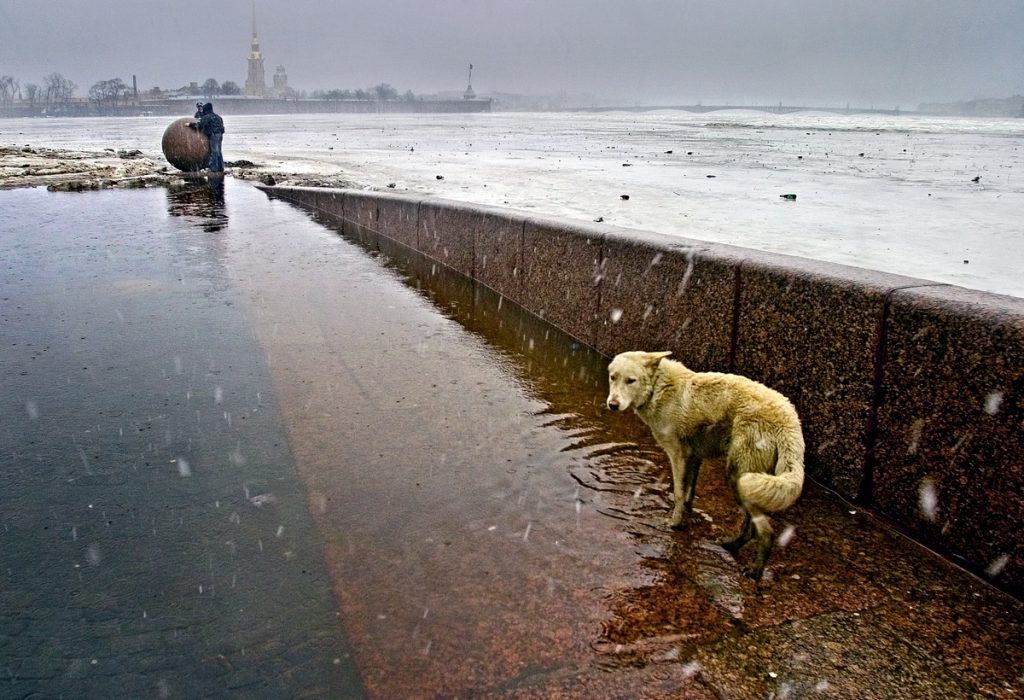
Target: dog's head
<point x="631" y="378"/>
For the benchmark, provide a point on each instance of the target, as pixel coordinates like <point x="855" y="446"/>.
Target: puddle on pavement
<point x="248" y="450"/>
<point x="505" y="518"/>
<point x="242" y="452"/>
<point x="154" y="536"/>
<point x="521" y="540"/>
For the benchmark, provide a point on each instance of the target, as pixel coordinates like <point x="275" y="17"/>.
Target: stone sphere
<point x="185" y="148"/>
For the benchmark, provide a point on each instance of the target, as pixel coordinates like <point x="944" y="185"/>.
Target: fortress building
<point x="280" y="83"/>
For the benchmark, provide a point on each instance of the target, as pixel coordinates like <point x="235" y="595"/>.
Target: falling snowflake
<point x="993" y="402"/>
<point x="786" y="536"/>
<point x="915" y="436"/>
<point x="928" y="499"/>
<point x="184" y="469"/>
<point x="997" y="565"/>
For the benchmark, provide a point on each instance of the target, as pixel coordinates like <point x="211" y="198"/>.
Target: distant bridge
<point x="770" y="109"/>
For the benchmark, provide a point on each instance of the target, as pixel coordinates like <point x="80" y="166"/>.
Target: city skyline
<point x="885" y="54"/>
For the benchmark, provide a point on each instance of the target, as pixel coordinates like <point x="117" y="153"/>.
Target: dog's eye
<point x="631" y="380"/>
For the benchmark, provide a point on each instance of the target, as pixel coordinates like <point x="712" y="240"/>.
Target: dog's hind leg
<point x="765" y="540"/>
<point x="746" y="534"/>
<point x="747" y="530"/>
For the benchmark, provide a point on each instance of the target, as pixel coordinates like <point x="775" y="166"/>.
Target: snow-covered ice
<point x="935" y="198"/>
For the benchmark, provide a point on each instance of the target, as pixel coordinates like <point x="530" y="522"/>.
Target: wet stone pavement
<point x="154" y="538"/>
<point x="246" y="453"/>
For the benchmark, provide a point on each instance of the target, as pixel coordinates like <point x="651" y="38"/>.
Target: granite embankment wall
<point x="911" y="392"/>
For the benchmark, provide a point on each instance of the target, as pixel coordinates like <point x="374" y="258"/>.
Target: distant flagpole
<point x="469" y="94"/>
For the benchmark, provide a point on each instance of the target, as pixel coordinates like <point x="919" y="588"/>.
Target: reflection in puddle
<point x="492" y="531"/>
<point x="718" y="576"/>
<point x="202" y="199"/>
<point x="154" y="537"/>
<point x="682" y="590"/>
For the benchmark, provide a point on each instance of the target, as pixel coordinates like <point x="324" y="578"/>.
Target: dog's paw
<point x="731" y="546"/>
<point x="753" y="572"/>
<point x="675" y="521"/>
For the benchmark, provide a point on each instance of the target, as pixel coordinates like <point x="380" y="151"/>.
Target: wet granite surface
<point x="361" y="208"/>
<point x="400" y="216"/>
<point x="562" y="275"/>
<point x="811" y="330"/>
<point x="331" y="201"/>
<point x="154" y="534"/>
<point x="498" y="251"/>
<point x="784" y="311"/>
<point x="446" y="234"/>
<point x="504" y="540"/>
<point x="951" y="426"/>
<point x="659" y="293"/>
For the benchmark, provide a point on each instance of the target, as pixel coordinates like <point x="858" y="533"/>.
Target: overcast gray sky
<point x="827" y="52"/>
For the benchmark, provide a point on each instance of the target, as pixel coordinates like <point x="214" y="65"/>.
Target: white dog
<point x="698" y="415"/>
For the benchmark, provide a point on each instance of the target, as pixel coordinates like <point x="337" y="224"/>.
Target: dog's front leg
<point x="677" y="457"/>
<point x="692" y="470"/>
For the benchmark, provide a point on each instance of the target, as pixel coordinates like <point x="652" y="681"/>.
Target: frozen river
<point x="939" y="199"/>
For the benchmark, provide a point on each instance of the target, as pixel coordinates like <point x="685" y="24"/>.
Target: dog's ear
<point x="654" y="358"/>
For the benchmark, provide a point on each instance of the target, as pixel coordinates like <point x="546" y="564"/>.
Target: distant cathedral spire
<point x="256" y="82"/>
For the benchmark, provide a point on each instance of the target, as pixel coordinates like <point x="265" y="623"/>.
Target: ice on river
<point x="935" y="198"/>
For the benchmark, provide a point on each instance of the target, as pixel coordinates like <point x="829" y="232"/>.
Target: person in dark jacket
<point x="212" y="126"/>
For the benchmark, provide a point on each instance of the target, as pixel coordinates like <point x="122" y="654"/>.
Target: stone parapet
<point x="911" y="393"/>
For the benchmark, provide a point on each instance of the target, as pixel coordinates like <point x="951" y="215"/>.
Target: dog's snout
<point x="613" y="404"/>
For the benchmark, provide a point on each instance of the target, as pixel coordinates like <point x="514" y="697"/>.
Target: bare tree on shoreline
<point x="9" y="89"/>
<point x="108" y="93"/>
<point x="31" y="93"/>
<point x="57" y="89"/>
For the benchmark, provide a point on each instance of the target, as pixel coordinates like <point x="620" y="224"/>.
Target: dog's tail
<point x="774" y="493"/>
